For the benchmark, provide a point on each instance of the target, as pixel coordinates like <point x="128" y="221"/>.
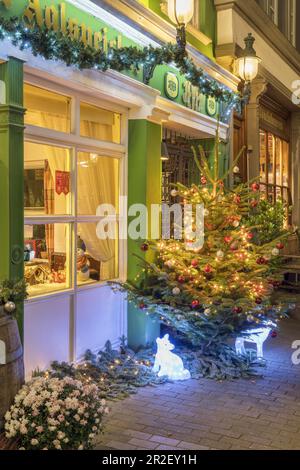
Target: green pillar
<point x="144" y="187"/>
<point x="11" y="174"/>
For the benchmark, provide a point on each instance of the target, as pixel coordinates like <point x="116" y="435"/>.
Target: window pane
<point x="285" y="163"/>
<point x="271" y="152"/>
<point x="47" y="257"/>
<point x="98" y="182"/>
<point x="47" y="180"/>
<point x="100" y="124"/>
<point x="263" y="157"/>
<point x="97" y="258"/>
<point x="46" y="109"/>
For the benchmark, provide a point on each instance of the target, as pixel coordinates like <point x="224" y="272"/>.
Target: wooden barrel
<point x="11" y="362"/>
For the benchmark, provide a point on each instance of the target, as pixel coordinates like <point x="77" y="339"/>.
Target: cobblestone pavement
<point x="244" y="414"/>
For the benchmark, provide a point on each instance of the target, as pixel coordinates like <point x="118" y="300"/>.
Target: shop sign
<point x="211" y="105"/>
<point x="171" y="85"/>
<point x="55" y="16"/>
<point x="62" y="182"/>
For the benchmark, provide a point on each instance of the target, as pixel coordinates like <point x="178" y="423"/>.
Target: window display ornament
<point x="256" y="336"/>
<point x="167" y="363"/>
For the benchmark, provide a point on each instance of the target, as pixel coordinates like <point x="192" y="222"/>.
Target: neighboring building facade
<point x="270" y="126"/>
<point x="89" y="138"/>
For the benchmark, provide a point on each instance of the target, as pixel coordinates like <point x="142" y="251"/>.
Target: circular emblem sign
<point x="171" y="85"/>
<point x="211" y="106"/>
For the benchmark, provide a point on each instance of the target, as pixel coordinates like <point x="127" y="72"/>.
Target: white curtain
<point x="97" y="184"/>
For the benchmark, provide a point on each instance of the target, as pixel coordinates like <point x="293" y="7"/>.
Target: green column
<point x="11" y="173"/>
<point x="144" y="187"/>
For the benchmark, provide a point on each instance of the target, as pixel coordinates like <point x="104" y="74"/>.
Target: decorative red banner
<point x="62" y="182"/>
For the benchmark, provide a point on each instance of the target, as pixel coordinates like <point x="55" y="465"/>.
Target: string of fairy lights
<point x="52" y="45"/>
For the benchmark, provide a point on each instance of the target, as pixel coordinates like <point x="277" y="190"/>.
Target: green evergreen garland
<point x="56" y="46"/>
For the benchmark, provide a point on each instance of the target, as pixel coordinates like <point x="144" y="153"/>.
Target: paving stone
<point x="263" y="413"/>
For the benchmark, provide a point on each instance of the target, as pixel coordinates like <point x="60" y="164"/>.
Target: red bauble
<point x="258" y="301"/>
<point x="221" y="184"/>
<point x="250" y="236"/>
<point x="254" y="203"/>
<point x="274" y="334"/>
<point x="203" y="180"/>
<point x="237" y="310"/>
<point x="145" y="247"/>
<point x="228" y="240"/>
<point x="208" y="269"/>
<point x="234" y="247"/>
<point x="195" y="303"/>
<point x="280" y="246"/>
<point x="255" y="187"/>
<point x="181" y="279"/>
<point x="262" y="260"/>
<point x="142" y="306"/>
<point x="237" y="199"/>
<point x="194" y="263"/>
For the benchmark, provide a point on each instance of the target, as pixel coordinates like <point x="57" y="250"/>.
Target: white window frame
<point x="75" y="143"/>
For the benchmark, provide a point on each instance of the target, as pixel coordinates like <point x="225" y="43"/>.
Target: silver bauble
<point x="10" y="307"/>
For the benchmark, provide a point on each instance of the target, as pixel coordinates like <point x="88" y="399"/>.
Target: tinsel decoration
<point x="57" y="46"/>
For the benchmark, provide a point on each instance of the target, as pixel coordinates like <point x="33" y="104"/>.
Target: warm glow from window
<point x="100" y="124"/>
<point x="46" y="109"/>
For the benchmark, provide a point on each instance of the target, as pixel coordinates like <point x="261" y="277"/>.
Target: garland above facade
<point x="57" y="46"/>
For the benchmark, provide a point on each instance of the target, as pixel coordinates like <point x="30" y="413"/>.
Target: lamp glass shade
<point x="180" y="11"/>
<point x="248" y="68"/>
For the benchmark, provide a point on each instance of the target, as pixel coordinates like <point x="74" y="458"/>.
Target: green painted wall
<point x="11" y="175"/>
<point x="144" y="187"/>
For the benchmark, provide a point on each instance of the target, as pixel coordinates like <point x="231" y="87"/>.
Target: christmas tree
<point x="219" y="291"/>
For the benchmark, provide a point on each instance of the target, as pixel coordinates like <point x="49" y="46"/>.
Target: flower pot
<point x="11" y="362"/>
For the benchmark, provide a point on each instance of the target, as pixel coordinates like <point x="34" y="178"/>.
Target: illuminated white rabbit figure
<point x="167" y="363"/>
<point x="257" y="336"/>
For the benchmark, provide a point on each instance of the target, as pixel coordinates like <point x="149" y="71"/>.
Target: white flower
<point x="39" y="429"/>
<point x="77" y="417"/>
<point x="80" y="447"/>
<point x="61" y="435"/>
<point x="34" y="442"/>
<point x="94" y="428"/>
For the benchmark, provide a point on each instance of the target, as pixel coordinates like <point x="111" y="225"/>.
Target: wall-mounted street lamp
<point x="180" y="13"/>
<point x="247" y="65"/>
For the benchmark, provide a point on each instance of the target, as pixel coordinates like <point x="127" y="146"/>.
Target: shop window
<point x="62" y="202"/>
<point x="46" y="109"/>
<point x="47" y="180"/>
<point x="97" y="257"/>
<point x="47" y="258"/>
<point x="98" y="182"/>
<point x="100" y="124"/>
<point x="274" y="166"/>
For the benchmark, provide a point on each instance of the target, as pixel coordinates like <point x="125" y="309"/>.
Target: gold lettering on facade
<point x="7" y="3"/>
<point x="33" y="13"/>
<point x="86" y="35"/>
<point x="73" y="28"/>
<point x="63" y="21"/>
<point x="51" y="18"/>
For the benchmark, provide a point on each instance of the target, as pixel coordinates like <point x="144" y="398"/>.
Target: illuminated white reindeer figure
<point x="257" y="336"/>
<point x="167" y="363"/>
